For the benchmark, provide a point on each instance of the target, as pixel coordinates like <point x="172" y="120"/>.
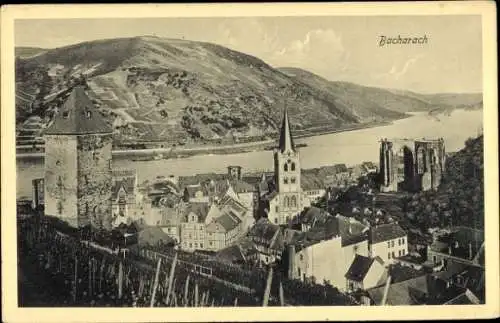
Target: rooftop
<point x="78" y="116"/>
<point x="360" y="267"/>
<point x="386" y="232"/>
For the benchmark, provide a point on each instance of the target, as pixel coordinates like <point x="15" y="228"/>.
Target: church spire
<point x="286" y="140"/>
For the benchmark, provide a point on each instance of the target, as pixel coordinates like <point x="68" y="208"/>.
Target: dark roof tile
<point x="78" y="116"/>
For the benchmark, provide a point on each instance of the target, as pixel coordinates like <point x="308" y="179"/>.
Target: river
<point x="350" y="147"/>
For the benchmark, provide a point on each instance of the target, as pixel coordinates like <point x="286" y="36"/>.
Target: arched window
<point x="293" y="201"/>
<point x="420" y="161"/>
<point x="293" y="180"/>
<point x="293" y="166"/>
<point x="285" y="180"/>
<point x="286" y="201"/>
<point x="285" y="167"/>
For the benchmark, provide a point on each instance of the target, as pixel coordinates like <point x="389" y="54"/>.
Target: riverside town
<point x="162" y="172"/>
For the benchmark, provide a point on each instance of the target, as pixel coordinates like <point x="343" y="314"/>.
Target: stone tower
<point x="78" y="173"/>
<point x="287" y="172"/>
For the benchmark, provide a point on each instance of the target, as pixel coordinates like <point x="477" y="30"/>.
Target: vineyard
<point x="76" y="273"/>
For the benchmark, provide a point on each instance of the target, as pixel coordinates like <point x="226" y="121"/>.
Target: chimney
<point x="291" y="261"/>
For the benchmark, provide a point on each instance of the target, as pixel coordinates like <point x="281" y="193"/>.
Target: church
<point x="285" y="198"/>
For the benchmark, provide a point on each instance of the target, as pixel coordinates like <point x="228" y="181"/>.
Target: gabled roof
<point x="78" y="116"/>
<point x="360" y="267"/>
<point x="228" y="221"/>
<point x="128" y="184"/>
<point x="310" y="181"/>
<point x="403" y="293"/>
<point x="200" y="209"/>
<point x="286" y="140"/>
<point x="264" y="229"/>
<point x="386" y="232"/>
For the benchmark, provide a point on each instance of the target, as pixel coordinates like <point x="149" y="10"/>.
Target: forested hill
<point x="464" y="184"/>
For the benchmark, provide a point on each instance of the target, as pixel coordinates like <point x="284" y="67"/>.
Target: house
<point x="268" y="241"/>
<point x="196" y="193"/>
<point x="192" y="230"/>
<point x="365" y="273"/>
<point x="327" y="250"/>
<point x="223" y="231"/>
<point x="408" y="292"/>
<point x="388" y="241"/>
<point x="313" y="187"/>
<point x="464" y="245"/>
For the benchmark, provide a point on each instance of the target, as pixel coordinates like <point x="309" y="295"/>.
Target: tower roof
<point x="78" y="116"/>
<point x="286" y="140"/>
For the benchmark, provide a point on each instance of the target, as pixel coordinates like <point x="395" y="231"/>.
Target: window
<point x="190" y="245"/>
<point x="277" y="209"/>
<point x="65" y="114"/>
<point x="293" y="201"/>
<point x="210" y="243"/>
<point x="399" y="242"/>
<point x="403" y="252"/>
<point x="196" y="245"/>
<point x="201" y="245"/>
<point x="58" y="163"/>
<point x="276" y="220"/>
<point x="393" y="255"/>
<point x="399" y="253"/>
<point x="287" y="218"/>
<point x="392" y="243"/>
<point x="285" y="167"/>
<point x="301" y="257"/>
<point x="88" y="114"/>
<point x="285" y="180"/>
<point x="293" y="180"/>
<point x="389" y="255"/>
<point x="402" y="241"/>
<point x="293" y="166"/>
<point x="388" y="244"/>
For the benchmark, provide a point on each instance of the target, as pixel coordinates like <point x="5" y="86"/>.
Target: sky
<point x="338" y="48"/>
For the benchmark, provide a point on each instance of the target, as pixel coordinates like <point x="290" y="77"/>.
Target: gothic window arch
<point x="293" y="201"/>
<point x="292" y="180"/>
<point x="420" y="160"/>
<point x="293" y="166"/>
<point x="285" y="180"/>
<point x="285" y="167"/>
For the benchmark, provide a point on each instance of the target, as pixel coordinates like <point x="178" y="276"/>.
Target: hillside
<point x="366" y="102"/>
<point x="153" y="88"/>
<point x="25" y="52"/>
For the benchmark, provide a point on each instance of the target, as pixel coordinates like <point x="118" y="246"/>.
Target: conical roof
<point x="286" y="140"/>
<point x="78" y="116"/>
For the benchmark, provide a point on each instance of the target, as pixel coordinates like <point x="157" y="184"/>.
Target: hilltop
<point x="154" y="88"/>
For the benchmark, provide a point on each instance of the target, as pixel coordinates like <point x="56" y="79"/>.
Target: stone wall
<point x="95" y="180"/>
<point x="61" y="178"/>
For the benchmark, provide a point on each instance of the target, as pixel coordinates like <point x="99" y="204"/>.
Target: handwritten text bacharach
<point x="385" y="41"/>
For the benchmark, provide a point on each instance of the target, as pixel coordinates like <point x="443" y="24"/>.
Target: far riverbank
<point x="183" y="152"/>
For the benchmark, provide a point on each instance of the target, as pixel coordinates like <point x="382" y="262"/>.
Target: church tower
<point x="287" y="173"/>
<point x="78" y="174"/>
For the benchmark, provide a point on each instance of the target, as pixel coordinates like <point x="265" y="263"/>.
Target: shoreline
<point x="176" y="152"/>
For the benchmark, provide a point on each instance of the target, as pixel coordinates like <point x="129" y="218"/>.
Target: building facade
<point x="78" y="176"/>
<point x="388" y="241"/>
<point x="411" y="165"/>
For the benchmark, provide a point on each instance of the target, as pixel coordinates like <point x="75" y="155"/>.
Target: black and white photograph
<point x="250" y="161"/>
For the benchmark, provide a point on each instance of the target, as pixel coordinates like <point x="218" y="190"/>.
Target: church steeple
<point x="286" y="140"/>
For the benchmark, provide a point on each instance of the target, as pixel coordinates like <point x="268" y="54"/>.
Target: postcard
<point x="249" y="162"/>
